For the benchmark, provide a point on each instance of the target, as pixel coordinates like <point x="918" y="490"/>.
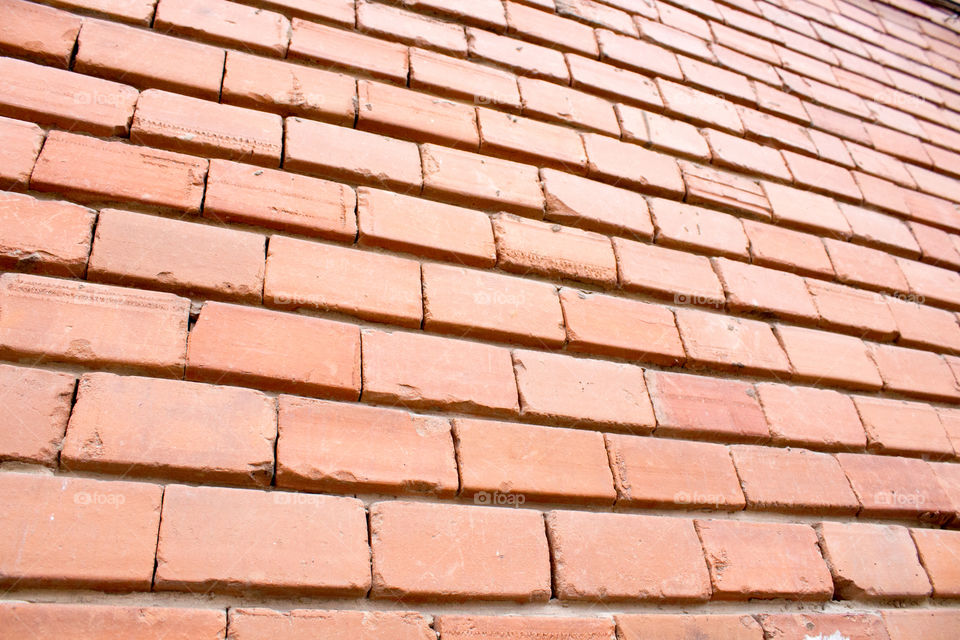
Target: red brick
<point x="37" y="405"/>
<point x="936" y="183"/>
<point x="914" y="372"/>
<point x="527" y="140"/>
<point x="228" y="23"/>
<point x="661" y="132"/>
<point x="597" y="14"/>
<point x="340" y="49"/>
<point x="476" y="83"/>
<point x="641" y="56"/>
<point x="527" y="462"/>
<point x="556" y="103"/>
<point x="821" y="176"/>
<point x="485" y="13"/>
<point x="754" y="289"/>
<point x="684" y="20"/>
<point x="278" y="351"/>
<point x="150" y="252"/>
<point x="880" y="230"/>
<point x="748" y="66"/>
<point x="64" y="99"/>
<point x="530" y="246"/>
<point x="161" y="62"/>
<point x="787" y="626"/>
<point x="44" y="236"/>
<point x="93" y="325"/>
<point x="710" y="77"/>
<point x="850" y="310"/>
<point x="808" y="417"/>
<point x="707" y="110"/>
<point x="401" y="113"/>
<point x="744" y="155"/>
<point x="452" y="552"/>
<point x="873" y="562"/>
<point x="888" y="486"/>
<point x="690" y="406"/>
<point x="938" y="551"/>
<point x="775" y="131"/>
<point x="793" y="481"/>
<point x="691" y="228"/>
<point x="902" y="428"/>
<point x="522" y="57"/>
<point x="549" y="29"/>
<point x="77" y="533"/>
<point x="477" y="181"/>
<point x="577" y="391"/>
<point x="290" y="547"/>
<point x="304" y="624"/>
<point x="745" y="346"/>
<point x="38" y="33"/>
<point x="417" y="370"/>
<point x="830" y="148"/>
<point x="454" y="627"/>
<point x="340" y="12"/>
<point x="682" y="42"/>
<point x="90" y="622"/>
<point x="880" y="164"/>
<point x="865" y="267"/>
<point x="882" y="194"/>
<point x="21" y="146"/>
<point x="682" y="627"/>
<point x="924" y="327"/>
<point x="571" y="200"/>
<point x="630" y="557"/>
<point x="612" y="82"/>
<point x="933" y="624"/>
<point x="667" y="273"/>
<point x="724" y="190"/>
<point x="393" y="23"/>
<point x="938" y="246"/>
<point x="781" y="103"/>
<point x="658" y="472"/>
<point x="930" y="283"/>
<point x="820" y="357"/>
<point x="491" y="306"/>
<point x="625" y="164"/>
<point x="132" y="11"/>
<point x="343" y="448"/>
<point x="773" y="246"/>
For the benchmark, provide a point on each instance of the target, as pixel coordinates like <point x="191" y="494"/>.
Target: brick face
<point x="38" y="406"/>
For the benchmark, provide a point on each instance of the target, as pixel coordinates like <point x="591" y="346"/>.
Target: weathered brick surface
<point x="571" y="200"/>
<point x="820" y="357"/>
<point x="936" y="625"/>
<point x="680" y="627"/>
<point x="868" y="626"/>
<point x="44" y="236"/>
<point x="227" y="23"/>
<point x="937" y="550"/>
<point x="736" y="344"/>
<point x="902" y="428"/>
<point x="22" y="142"/>
<point x="340" y="49"/>
<point x="667" y="273"/>
<point x="889" y="486"/>
<point x="37" y="406"/>
<point x="38" y="33"/>
<point x="815" y="418"/>
<point x="401" y="113"/>
<point x="755" y="289"/>
<point x="92" y="621"/>
<point x="303" y="624"/>
<point x="453" y="627"/>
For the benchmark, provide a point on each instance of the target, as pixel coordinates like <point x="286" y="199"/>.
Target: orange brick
<point x="934" y="624"/>
<point x="937" y="551"/>
<point x="171" y="429"/>
<point x="38" y="33"/>
<point x="37" y="406"/>
<point x="830" y="148"/>
<point x="308" y="275"/>
<point x="914" y="372"/>
<point x="21" y="146"/>
<point x="680" y="627"/>
<point x="775" y="131"/>
<point x="88" y="622"/>
<point x="667" y="273"/>
<point x="402" y="113"/>
<point x="289" y="544"/>
<point x="341" y="12"/>
<point x="393" y="23"/>
<point x="502" y="461"/>
<point x="930" y="283"/>
<point x="873" y="562"/>
<point x="641" y="56"/>
<point x="346" y="154"/>
<point x="224" y="22"/>
<point x="527" y="140"/>
<point x="865" y="267"/>
<point x="850" y="310"/>
<point x="682" y="42"/>
<point x="479" y="84"/>
<point x="88" y="169"/>
<point x="780" y="102"/>
<point x="597" y="14"/>
<point x="354" y="52"/>
<point x="161" y="62"/>
<point x="547" y="28"/>
<point x="620" y="327"/>
<point x="888" y="486"/>
<point x="880" y="230"/>
<point x="485" y="305"/>
<point x="571" y="200"/>
<point x="882" y="194"/>
<point x="578" y="391"/>
<point x="793" y="481"/>
<point x="631" y="557"/>
<point x="303" y="624"/>
<point x="808" y="417"/>
<point x="902" y="428"/>
<point x="424" y="227"/>
<point x="93" y="325"/>
<point x="700" y="407"/>
<point x="65" y="99"/>
<point x="343" y="448"/>
<point x="518" y="56"/>
<point x="271" y="85"/>
<point x="950" y="419"/>
<point x="710" y="77"/>
<point x="418" y="370"/>
<point x="938" y="246"/>
<point x="530" y="246"/>
<point x="77" y="533"/>
<point x="451" y="627"/>
<point x="820" y="357"/>
<point x="868" y="626"/>
<point x="724" y="190"/>
<point x="134" y="11"/>
<point x="612" y="82"/>
<point x="44" y="236"/>
<point x="740" y="41"/>
<point x="744" y="155"/>
<point x="661" y="132"/>
<point x="474" y="180"/>
<point x="553" y="102"/>
<point x="278" y="351"/>
<point x="773" y="246"/>
<point x="880" y="165"/>
<point x="924" y="327"/>
<point x="691" y="228"/>
<point x="419" y="552"/>
<point x="736" y="344"/>
<point x="821" y="176"/>
<point x="658" y="472"/>
<point x="139" y="250"/>
<point x="750" y="288"/>
<point x="738" y="555"/>
<point x="630" y="165"/>
<point x="708" y="110"/>
<point x="485" y="13"/>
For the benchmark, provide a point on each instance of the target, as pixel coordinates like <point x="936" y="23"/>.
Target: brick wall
<point x="436" y="319"/>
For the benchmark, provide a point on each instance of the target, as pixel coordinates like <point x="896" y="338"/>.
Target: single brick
<point x="929" y="624"/>
<point x="938" y="551"/>
<point x="468" y="302"/>
<point x="140" y="250"/>
<point x="346" y="154"/>
<point x="550" y="101"/>
<point x="343" y="448"/>
<point x="18" y="154"/>
<point x="65" y="99"/>
<point x="77" y="533"/>
<point x="304" y="624"/>
<point x="342" y="49"/>
<point x="865" y="267"/>
<point x="503" y="461"/>
<point x="171" y="429"/>
<point x="805" y="210"/>
<point x="682" y="627"/>
<point x="161" y="62"/>
<point x="920" y="373"/>
<point x="902" y="428"/>
<point x="683" y="226"/>
<point x="620" y="327"/>
<point x="786" y="626"/>
<point x="238" y="345"/>
<point x="571" y="200"/>
<point x="224" y="22"/>
<point x="738" y="555"/>
<point x="577" y="391"/>
<point x="930" y="283"/>
<point x="87" y="169"/>
<point x="850" y="310"/>
<point x="394" y="23"/>
<point x="774" y="246"/>
<point x="622" y="163"/>
<point x="468" y="81"/>
<point x="612" y="82"/>
<point x="302" y="274"/>
<point x="821" y="357"/>
<point x="888" y="486"/>
<point x="667" y="273"/>
<point x="89" y="622"/>
<point x="527" y="140"/>
<point x="708" y="110"/>
<point x="661" y="132"/>
<point x="97" y="326"/>
<point x="924" y="327"/>
<point x="659" y="472"/>
<point x="455" y="627"/>
<point x="279" y="87"/>
<point x="880" y="164"/>
<point x="700" y="407"/>
<point x="937" y="246"/>
<point x="482" y="182"/>
<point x="132" y="11"/>
<point x="774" y="131"/>
<point x="597" y="14"/>
<point x="808" y="417"/>
<point x="417" y="370"/>
<point x="724" y="190"/>
<point x="290" y="545"/>
<point x="340" y="12"/>
<point x="38" y="33"/>
<point x="485" y="13"/>
<point x="44" y="236"/>
<point x="764" y="291"/>
<point x="530" y="246"/>
<point x="428" y="551"/>
<point x="279" y="200"/>
<point x="37" y="405"/>
<point x="745" y="155"/>
<point x="733" y="344"/>
<point x="822" y="177"/>
<point x="645" y="57"/>
<point x="402" y="113"/>
<point x="793" y="481"/>
<point x="547" y="28"/>
<point x="950" y="419"/>
<point x="518" y="56"/>
<point x="873" y="562"/>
